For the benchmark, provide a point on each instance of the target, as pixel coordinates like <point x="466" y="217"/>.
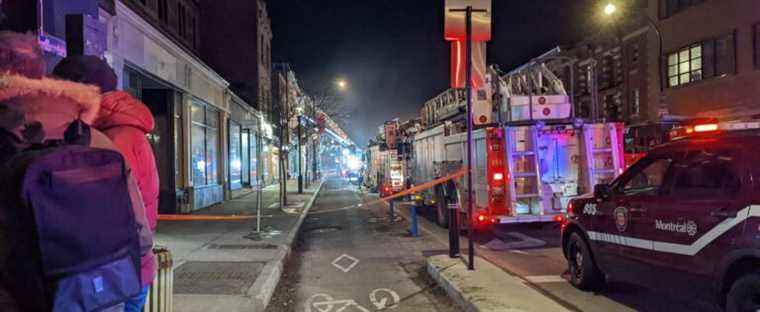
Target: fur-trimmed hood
<point x="87" y="97"/>
<point x="54" y="103"/>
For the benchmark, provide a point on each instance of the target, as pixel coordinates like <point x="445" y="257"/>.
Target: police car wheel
<point x="583" y="272"/>
<point x="744" y="294"/>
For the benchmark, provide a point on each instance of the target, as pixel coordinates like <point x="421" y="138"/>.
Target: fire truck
<point x="528" y="164"/>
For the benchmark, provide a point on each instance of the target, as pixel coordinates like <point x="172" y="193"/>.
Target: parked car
<point x="687" y="215"/>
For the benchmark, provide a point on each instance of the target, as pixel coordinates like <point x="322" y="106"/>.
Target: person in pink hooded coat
<point x="39" y="108"/>
<point x="126" y="121"/>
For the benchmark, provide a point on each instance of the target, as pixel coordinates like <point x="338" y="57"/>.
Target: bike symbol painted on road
<point x="326" y="303"/>
<point x="380" y="297"/>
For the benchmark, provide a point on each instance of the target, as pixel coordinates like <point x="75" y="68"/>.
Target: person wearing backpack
<point x="126" y="121"/>
<point x="87" y="213"/>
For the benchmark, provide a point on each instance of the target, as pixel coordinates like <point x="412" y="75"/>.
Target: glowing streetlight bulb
<point x="342" y="84"/>
<point x="610" y="9"/>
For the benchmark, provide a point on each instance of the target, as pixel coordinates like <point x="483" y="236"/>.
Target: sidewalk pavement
<point x="227" y="265"/>
<point x="488" y="288"/>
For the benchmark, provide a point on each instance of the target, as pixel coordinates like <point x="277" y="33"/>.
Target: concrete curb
<point x="263" y="288"/>
<point x="488" y="288"/>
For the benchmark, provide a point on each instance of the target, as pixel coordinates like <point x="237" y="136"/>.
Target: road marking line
<point x="542" y="279"/>
<point x="345" y="269"/>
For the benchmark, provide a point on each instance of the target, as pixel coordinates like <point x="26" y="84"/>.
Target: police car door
<point x="625" y="217"/>
<point x="706" y="192"/>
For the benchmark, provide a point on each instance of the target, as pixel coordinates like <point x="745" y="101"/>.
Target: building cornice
<point x="122" y="10"/>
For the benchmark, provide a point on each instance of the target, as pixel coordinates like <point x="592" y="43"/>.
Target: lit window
<point x="685" y="66"/>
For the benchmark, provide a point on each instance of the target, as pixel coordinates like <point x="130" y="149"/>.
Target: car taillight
<point x="498" y="176"/>
<point x="559" y="218"/>
<point x="481" y="218"/>
<point x="570" y="209"/>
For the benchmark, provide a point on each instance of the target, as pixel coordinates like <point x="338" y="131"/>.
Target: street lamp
<point x="610" y="9"/>
<point x="342" y="84"/>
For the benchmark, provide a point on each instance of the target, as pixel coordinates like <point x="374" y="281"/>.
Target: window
<point x="706" y="174"/>
<point x="702" y="60"/>
<point x="144" y="2"/>
<point x="181" y="26"/>
<point x="635" y="102"/>
<point x="685" y="66"/>
<point x="756" y="45"/>
<point x="647" y="178"/>
<point x="236" y="156"/>
<point x="194" y="34"/>
<point x="204" y="143"/>
<point x="163" y="10"/>
<point x="669" y="8"/>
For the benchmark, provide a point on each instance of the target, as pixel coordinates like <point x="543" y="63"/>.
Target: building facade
<point x="711" y="59"/>
<point x="223" y="48"/>
<point x="157" y="62"/>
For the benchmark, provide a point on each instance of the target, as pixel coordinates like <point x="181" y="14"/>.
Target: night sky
<point x="393" y="54"/>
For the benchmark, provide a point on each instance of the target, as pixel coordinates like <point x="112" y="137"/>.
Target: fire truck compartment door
<point x="558" y="156"/>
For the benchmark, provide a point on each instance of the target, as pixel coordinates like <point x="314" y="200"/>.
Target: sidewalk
<point x="487" y="289"/>
<point x="226" y="265"/>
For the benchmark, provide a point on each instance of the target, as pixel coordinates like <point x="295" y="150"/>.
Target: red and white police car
<point x="686" y="217"/>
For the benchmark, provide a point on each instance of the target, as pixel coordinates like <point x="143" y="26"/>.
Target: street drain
<point x="216" y="278"/>
<point x="324" y="229"/>
<point x="241" y="246"/>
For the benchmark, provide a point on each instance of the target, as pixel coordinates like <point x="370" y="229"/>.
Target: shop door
<point x="161" y="104"/>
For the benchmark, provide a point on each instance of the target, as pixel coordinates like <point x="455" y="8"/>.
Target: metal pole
<point x="471" y="246"/>
<point x="300" y="165"/>
<point x="260" y="179"/>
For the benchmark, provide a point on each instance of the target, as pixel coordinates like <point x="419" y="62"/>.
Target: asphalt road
<point x="532" y="252"/>
<point x="322" y="277"/>
<point x="357" y="260"/>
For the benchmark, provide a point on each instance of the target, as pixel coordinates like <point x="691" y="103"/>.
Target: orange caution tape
<point x="421" y="187"/>
<point x="165" y="217"/>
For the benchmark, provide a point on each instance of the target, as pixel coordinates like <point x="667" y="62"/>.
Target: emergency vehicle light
<point x="712" y="127"/>
<point x="498" y="176"/>
<point x="706" y="127"/>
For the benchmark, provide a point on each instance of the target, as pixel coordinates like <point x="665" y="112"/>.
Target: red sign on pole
<point x="459" y="64"/>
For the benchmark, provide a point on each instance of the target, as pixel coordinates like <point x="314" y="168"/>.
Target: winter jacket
<point x="55" y="104"/>
<point x="126" y="121"/>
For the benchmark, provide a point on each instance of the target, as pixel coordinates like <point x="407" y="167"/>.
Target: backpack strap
<point x="78" y="133"/>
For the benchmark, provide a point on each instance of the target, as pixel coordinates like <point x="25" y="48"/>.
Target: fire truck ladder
<point x="603" y="162"/>
<point x="525" y="182"/>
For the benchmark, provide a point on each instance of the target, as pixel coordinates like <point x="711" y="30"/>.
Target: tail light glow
<point x="706" y="127"/>
<point x="498" y="176"/>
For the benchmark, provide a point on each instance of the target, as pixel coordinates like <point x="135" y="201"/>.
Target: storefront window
<point x="245" y="160"/>
<point x="205" y="143"/>
<point x="236" y="163"/>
